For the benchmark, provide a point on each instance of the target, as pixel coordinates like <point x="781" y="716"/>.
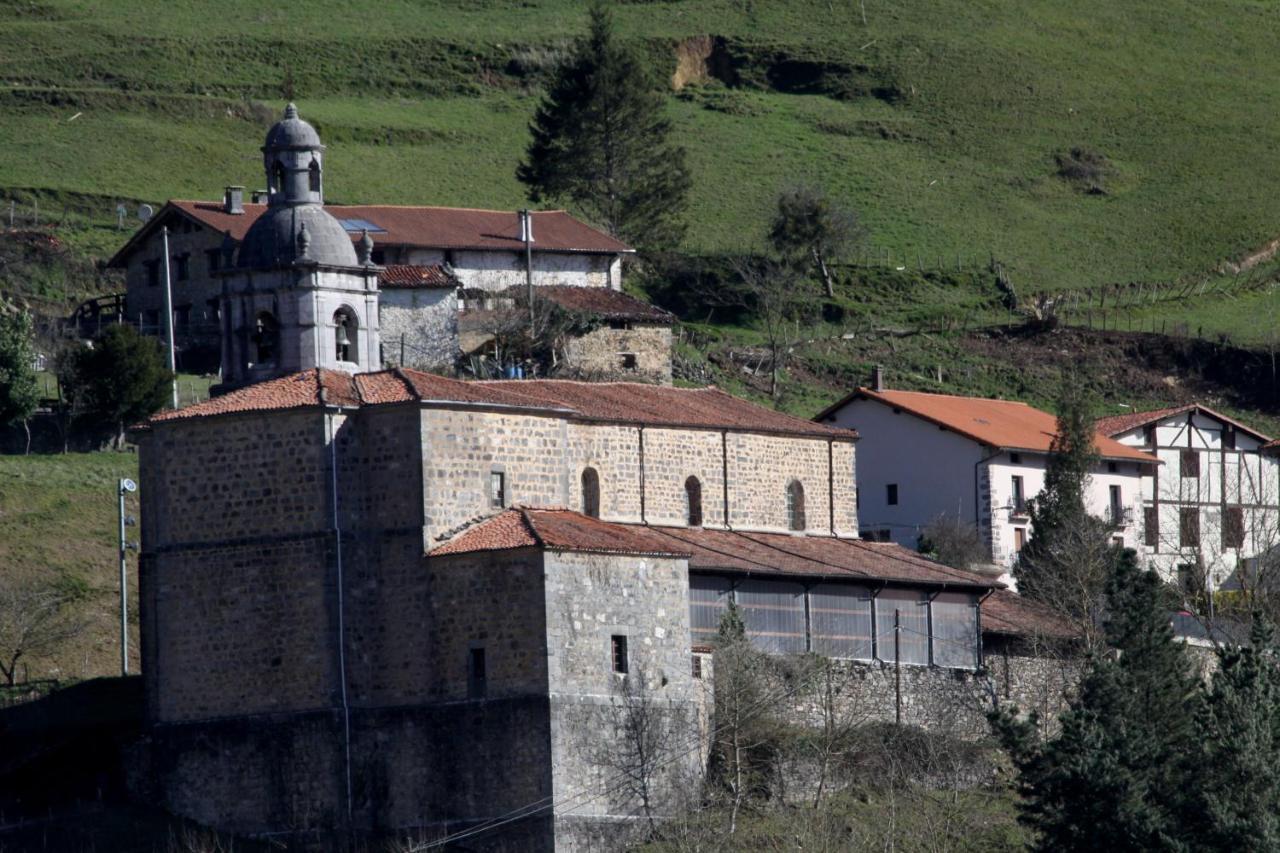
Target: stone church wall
<point x="671" y="456"/>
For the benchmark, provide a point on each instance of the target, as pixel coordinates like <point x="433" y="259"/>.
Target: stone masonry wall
<point x="614" y="452"/>
<point x="419" y="327"/>
<point x="590" y="599"/>
<point x="671" y="456"/>
<point x="599" y="354"/>
<point x="757" y="492"/>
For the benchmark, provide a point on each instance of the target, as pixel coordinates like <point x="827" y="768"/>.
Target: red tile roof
<point x="425" y="227"/>
<point x="1005" y="424"/>
<point x="738" y="552"/>
<point x="603" y="302"/>
<point x="1005" y="612"/>
<point x="1117" y="424"/>
<point x="406" y="276"/>
<point x="611" y="402"/>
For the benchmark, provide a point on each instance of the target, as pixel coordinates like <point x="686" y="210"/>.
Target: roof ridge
<point x="952" y="396"/>
<point x="528" y="523"/>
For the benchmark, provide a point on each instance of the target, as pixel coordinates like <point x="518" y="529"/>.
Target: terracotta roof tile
<point x="741" y="552"/>
<point x="408" y="276"/>
<point x="1006" y="612"/>
<point x="1118" y="424"/>
<point x="611" y="402"/>
<point x="425" y="227"/>
<point x="603" y="302"/>
<point x="301" y="390"/>
<point x="1005" y="424"/>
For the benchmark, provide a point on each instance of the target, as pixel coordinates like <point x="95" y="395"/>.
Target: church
<point x="381" y="600"/>
<point x="424" y="287"/>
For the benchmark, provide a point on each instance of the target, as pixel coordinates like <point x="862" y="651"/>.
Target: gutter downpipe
<point x="724" y="474"/>
<point x="640" y="435"/>
<point x="342" y="653"/>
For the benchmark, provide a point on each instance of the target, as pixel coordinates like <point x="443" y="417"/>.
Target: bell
<point x="342" y="338"/>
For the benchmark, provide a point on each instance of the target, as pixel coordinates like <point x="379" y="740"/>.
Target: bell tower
<point x="301" y="292"/>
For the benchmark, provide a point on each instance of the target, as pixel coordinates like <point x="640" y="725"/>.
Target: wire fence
<point x="22" y="210"/>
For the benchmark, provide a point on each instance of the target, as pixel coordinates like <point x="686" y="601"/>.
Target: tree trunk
<point x="826" y="274"/>
<point x="26" y="426"/>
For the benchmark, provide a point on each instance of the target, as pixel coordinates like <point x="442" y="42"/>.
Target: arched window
<point x="795" y="505"/>
<point x="314" y="172"/>
<point x="266" y="337"/>
<point x="346" y="333"/>
<point x="277" y="177"/>
<point x="590" y="492"/>
<point x="693" y="501"/>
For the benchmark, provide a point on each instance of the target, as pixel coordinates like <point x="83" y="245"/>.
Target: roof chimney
<point x="233" y="200"/>
<point x="526" y="226"/>
<point x="258" y="196"/>
<point x="877" y="378"/>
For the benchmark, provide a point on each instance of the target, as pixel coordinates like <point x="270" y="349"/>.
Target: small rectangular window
<point x="1015" y="458"/>
<point x="618" y="652"/>
<point x="1113" y="467"/>
<point x="1190" y="463"/>
<point x="1189" y="527"/>
<point x="153" y="273"/>
<point x="1149" y="435"/>
<point x="1019" y="497"/>
<point x="1117" y="506"/>
<point x="1233" y="527"/>
<point x="180" y="267"/>
<point x="477" y="674"/>
<point x="1117" y="541"/>
<point x="213" y="259"/>
<point x="1151" y="526"/>
<point x="1019" y="539"/>
<point x="629" y="361"/>
<point x="497" y="489"/>
<point x="695" y="667"/>
<point x="1229" y="438"/>
<point x="892" y="494"/>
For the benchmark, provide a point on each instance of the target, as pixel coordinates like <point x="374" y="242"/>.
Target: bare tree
<point x="953" y="542"/>
<point x="645" y="739"/>
<point x="37" y="615"/>
<point x="769" y="290"/>
<point x="809" y="226"/>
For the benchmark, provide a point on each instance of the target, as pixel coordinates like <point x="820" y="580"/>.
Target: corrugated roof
<point x="603" y="302"/>
<point x="423" y="227"/>
<point x="408" y="276"/>
<point x="614" y="402"/>
<point x="732" y="551"/>
<point x="1005" y="424"/>
<point x="1118" y="424"/>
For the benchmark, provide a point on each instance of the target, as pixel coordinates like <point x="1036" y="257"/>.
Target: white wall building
<point x="978" y="460"/>
<point x="1214" y="503"/>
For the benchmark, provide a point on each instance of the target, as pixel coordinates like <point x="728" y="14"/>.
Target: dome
<point x="291" y="132"/>
<point x="272" y="241"/>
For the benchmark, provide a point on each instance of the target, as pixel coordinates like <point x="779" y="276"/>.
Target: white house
<point x="1214" y="503"/>
<point x="978" y="460"/>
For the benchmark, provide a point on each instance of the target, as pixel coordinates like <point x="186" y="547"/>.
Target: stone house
<point x="480" y="249"/>
<point x="392" y="600"/>
<point x="1212" y="508"/>
<point x="975" y="460"/>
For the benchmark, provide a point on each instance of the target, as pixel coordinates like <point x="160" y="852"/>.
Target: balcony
<point x="1120" y="516"/>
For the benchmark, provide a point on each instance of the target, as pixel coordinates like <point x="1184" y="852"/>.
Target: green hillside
<point x="939" y="120"/>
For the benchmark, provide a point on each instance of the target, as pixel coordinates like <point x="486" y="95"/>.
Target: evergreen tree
<point x="1068" y="559"/>
<point x="601" y="142"/>
<point x="1116" y="775"/>
<point x="809" y="227"/>
<point x="121" y="379"/>
<point x="19" y="391"/>
<point x="1236" y="783"/>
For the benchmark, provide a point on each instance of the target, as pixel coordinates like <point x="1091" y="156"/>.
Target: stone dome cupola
<point x="294" y="160"/>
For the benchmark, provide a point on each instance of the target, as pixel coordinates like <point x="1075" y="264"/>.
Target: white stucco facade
<point x="1214" y="503"/>
<point x="911" y="471"/>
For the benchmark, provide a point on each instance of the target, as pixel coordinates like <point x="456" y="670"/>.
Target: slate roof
<point x="730" y="551"/>
<point x="1117" y="424"/>
<point x="609" y="402"/>
<point x="1005" y="424"/>
<point x="422" y="227"/>
<point x="603" y="302"/>
<point x="412" y="277"/>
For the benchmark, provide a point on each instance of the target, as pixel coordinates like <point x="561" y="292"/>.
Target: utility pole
<point x="526" y="234"/>
<point x="168" y="314"/>
<point x="125" y="485"/>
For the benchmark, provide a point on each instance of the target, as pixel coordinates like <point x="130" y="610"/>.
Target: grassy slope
<point x="1178" y="94"/>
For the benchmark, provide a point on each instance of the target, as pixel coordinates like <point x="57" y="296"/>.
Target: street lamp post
<point x="126" y="485"/>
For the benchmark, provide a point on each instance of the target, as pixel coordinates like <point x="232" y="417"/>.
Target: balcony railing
<point x="1121" y="516"/>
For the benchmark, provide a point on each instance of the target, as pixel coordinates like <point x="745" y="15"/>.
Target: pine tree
<point x="19" y="391"/>
<point x="601" y="142"/>
<point x="1116" y="775"/>
<point x="1069" y="557"/>
<point x="1236" y="803"/>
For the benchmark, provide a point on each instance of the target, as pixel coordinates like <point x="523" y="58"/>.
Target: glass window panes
<point x="913" y="611"/>
<point x="708" y="598"/>
<point x="774" y="615"/>
<point x="955" y="630"/>
<point x="840" y="620"/>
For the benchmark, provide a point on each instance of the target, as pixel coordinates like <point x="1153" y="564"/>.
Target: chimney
<point x="233" y="200"/>
<point x="526" y="226"/>
<point x="259" y="196"/>
<point x="877" y="378"/>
